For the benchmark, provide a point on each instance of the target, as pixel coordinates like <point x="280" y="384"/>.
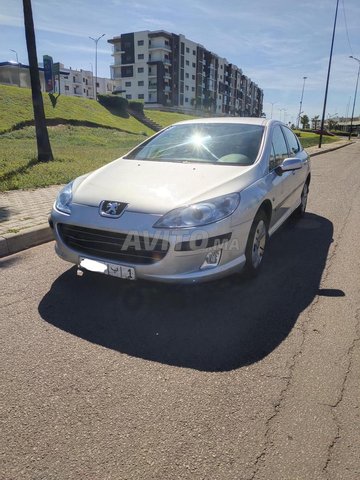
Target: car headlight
<point x="63" y="200"/>
<point x="201" y="213"/>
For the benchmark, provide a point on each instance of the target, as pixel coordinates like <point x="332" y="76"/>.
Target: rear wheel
<point x="256" y="243"/>
<point x="300" y="211"/>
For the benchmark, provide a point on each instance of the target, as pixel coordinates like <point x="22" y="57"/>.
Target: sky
<point x="275" y="42"/>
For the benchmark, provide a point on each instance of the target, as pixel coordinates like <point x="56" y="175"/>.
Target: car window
<point x="219" y="143"/>
<point x="280" y="150"/>
<point x="292" y="141"/>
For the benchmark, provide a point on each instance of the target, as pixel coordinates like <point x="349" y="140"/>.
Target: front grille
<point x="112" y="245"/>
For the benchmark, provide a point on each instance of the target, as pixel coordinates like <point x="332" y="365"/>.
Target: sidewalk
<point x="24" y="213"/>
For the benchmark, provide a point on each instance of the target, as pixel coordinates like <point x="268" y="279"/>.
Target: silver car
<point x="195" y="202"/>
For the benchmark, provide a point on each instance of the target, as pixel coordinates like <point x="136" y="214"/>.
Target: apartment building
<point x="168" y="70"/>
<point x="78" y="83"/>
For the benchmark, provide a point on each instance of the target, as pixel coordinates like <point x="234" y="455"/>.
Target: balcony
<point x="160" y="46"/>
<point x="152" y="86"/>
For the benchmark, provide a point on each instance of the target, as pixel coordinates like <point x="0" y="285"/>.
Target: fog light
<point x="212" y="259"/>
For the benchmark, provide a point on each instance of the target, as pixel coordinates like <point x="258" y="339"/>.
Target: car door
<point x="296" y="178"/>
<point x="278" y="184"/>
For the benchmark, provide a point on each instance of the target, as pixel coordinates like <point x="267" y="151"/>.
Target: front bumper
<point x="177" y="266"/>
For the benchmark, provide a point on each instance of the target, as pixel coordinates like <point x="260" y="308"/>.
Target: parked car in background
<point x="196" y="201"/>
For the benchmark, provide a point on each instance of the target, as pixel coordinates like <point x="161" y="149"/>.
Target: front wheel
<point x="300" y="211"/>
<point x="256" y="243"/>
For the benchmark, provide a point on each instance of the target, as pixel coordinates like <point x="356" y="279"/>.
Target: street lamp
<point x="301" y="100"/>
<point x="272" y="108"/>
<point x="18" y="64"/>
<point x="96" y="42"/>
<point x="328" y="75"/>
<point x="357" y="82"/>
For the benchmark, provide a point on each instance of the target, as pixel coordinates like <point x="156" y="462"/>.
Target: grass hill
<point x="16" y="107"/>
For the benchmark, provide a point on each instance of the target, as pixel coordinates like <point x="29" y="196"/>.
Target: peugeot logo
<point x="111" y="209"/>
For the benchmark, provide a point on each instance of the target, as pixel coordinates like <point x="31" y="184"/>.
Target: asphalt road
<point x="105" y="379"/>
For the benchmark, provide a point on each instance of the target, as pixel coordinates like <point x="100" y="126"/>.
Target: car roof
<point x="233" y="120"/>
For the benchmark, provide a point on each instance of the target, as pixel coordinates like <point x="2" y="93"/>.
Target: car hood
<point x="157" y="187"/>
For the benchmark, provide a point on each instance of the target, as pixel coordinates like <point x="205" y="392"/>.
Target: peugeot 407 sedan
<point x="196" y="201"/>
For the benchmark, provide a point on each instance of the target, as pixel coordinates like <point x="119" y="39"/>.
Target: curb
<point x="330" y="149"/>
<point x="30" y="237"/>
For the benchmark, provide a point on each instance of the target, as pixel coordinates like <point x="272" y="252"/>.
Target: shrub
<point x="114" y="102"/>
<point x="136" y="106"/>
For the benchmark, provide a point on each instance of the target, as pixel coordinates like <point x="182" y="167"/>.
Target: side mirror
<point x="288" y="165"/>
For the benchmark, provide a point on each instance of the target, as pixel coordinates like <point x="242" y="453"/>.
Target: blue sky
<point x="275" y="42"/>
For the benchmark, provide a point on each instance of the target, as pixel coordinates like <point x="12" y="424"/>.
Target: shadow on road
<point x="211" y="327"/>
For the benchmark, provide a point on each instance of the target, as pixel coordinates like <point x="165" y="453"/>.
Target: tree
<point x="332" y="124"/>
<point x="304" y="120"/>
<point x="42" y="136"/>
<point x="315" y="120"/>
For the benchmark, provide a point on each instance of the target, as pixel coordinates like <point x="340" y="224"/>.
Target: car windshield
<point x="223" y="143"/>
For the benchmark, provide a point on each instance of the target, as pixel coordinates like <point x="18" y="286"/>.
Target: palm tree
<point x="315" y="120"/>
<point x="304" y="120"/>
<point x="42" y="137"/>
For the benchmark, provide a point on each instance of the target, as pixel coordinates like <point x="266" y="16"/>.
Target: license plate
<point x="112" y="269"/>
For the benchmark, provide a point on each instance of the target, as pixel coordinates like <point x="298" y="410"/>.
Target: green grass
<point x="76" y="150"/>
<point x="308" y="139"/>
<point x="166" y="118"/>
<point x="16" y="107"/>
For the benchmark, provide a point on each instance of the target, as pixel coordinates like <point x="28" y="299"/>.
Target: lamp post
<point x="328" y="75"/>
<point x="18" y="64"/>
<point x="357" y="82"/>
<point x="301" y="100"/>
<point x="272" y="108"/>
<point x="96" y="43"/>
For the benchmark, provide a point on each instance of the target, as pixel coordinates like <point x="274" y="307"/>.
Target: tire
<point x="255" y="247"/>
<point x="300" y="211"/>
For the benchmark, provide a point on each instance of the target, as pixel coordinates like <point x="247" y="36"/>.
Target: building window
<point x="187" y="62"/>
<point x="128" y="96"/>
<point x="97" y="84"/>
<point x="140" y="56"/>
<point x="187" y="50"/>
<point x="193" y="89"/>
<point x="140" y="43"/>
<point x="193" y="77"/>
<point x="140" y="83"/>
<point x="167" y="43"/>
<point x="74" y="79"/>
<point x="127" y="84"/>
<point x="140" y="70"/>
<point x="186" y="100"/>
<point x="194" y="64"/>
<point x="141" y="96"/>
<point x="187" y="75"/>
<point x="194" y="53"/>
<point x="84" y="90"/>
<point x="127" y="71"/>
<point x="66" y="87"/>
<point x="187" y="88"/>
